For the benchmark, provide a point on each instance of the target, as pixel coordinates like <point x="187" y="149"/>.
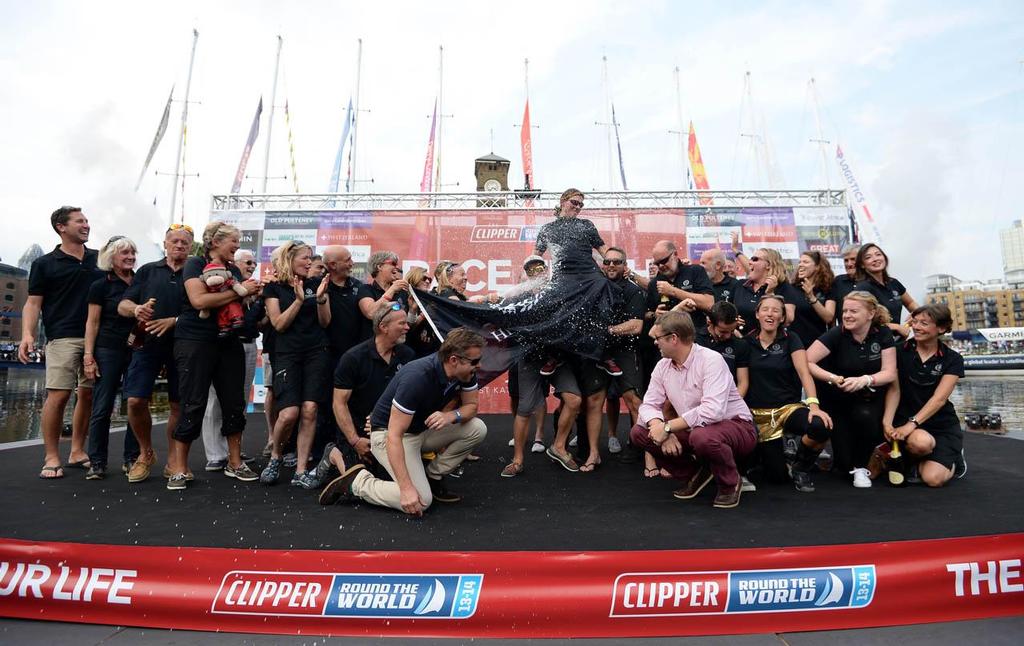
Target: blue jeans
<point x="112" y="362"/>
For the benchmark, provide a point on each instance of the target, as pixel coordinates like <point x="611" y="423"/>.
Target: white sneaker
<point x="861" y="478"/>
<point x="573" y="442"/>
<point x="512" y="442"/>
<point x="538" y="447"/>
<point x="613" y="445"/>
<point x="746" y="486"/>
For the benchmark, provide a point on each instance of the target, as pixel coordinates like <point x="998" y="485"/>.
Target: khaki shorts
<point x="64" y="370"/>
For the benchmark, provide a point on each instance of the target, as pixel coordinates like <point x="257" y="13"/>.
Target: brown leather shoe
<point x="876" y="463"/>
<point x="729" y="499"/>
<point x="695" y="485"/>
<point x="140" y="470"/>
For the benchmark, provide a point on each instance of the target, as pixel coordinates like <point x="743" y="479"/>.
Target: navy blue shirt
<point x="774" y="381"/>
<point x="113" y="331"/>
<point x="572" y="241"/>
<point x="157" y="280"/>
<point x="918" y="381"/>
<point x="63" y="281"/>
<point x="363" y="371"/>
<point x="420" y="389"/>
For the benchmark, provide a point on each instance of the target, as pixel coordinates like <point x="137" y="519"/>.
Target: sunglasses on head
<point x="178" y="227"/>
<point x="577" y="203"/>
<point x="396" y="306"/>
<point x="612" y="261"/>
<point x="472" y="362"/>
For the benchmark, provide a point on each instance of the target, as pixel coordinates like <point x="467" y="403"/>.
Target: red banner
<point x="515" y="594"/>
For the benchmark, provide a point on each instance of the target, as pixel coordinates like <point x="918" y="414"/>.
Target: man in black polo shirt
<point x="160" y="280"/>
<point x="361" y="376"/>
<point x="386" y="286"/>
<point x="415" y="414"/>
<point x="58" y="287"/>
<point x="713" y="261"/>
<point x="720" y="336"/>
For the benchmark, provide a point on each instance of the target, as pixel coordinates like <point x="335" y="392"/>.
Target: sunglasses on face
<point x="664" y="261"/>
<point x="612" y="261"/>
<point x="248" y="262"/>
<point x="577" y="203"/>
<point x="754" y="258"/>
<point x="472" y="362"/>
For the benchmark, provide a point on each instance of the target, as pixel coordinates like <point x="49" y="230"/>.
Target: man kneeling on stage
<point x="714" y="428"/>
<point x="410" y="419"/>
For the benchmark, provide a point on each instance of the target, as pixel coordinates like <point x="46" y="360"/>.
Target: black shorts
<point x="301" y="377"/>
<point x="631" y="378"/>
<point x="949" y="442"/>
<point x="534" y="387"/>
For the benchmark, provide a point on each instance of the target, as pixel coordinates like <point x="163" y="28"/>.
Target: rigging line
<point x="1014" y="118"/>
<point x="801" y="141"/>
<point x="739" y="136"/>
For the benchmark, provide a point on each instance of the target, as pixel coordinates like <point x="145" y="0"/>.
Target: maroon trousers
<point x="718" y="445"/>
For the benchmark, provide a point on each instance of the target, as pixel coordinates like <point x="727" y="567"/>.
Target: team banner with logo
<point x="491" y="243"/>
<point x="515" y="594"/>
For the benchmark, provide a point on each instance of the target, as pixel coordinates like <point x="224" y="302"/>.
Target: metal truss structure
<point x="526" y="200"/>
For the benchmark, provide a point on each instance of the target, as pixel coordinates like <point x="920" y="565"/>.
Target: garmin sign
<point x="1002" y="333"/>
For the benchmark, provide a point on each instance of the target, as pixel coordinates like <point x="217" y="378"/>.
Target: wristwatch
<point x="913" y="420"/>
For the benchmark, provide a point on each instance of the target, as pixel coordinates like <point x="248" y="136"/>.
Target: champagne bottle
<point x="895" y="465"/>
<point x="138" y="336"/>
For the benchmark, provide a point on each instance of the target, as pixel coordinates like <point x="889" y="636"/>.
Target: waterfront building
<point x="13" y="294"/>
<point x="978" y="304"/>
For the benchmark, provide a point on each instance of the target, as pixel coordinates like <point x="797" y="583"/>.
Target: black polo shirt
<point x="774" y="381"/>
<point x="918" y="382"/>
<point x="725" y="290"/>
<point x="691" y="278"/>
<point x="107" y="292"/>
<point x="842" y="286"/>
<point x="735" y="350"/>
<point x="807" y="324"/>
<point x="572" y="241"/>
<point x="190" y="326"/>
<point x="419" y="389"/>
<point x="363" y="371"/>
<point x="374" y="291"/>
<point x="255" y="311"/>
<point x="305" y="333"/>
<point x="346" y="326"/>
<point x="63" y="281"/>
<point x="157" y="280"/>
<point x="746" y="299"/>
<point x="631" y="304"/>
<point x="848" y="358"/>
<point x="889" y="295"/>
<point x="448" y="292"/>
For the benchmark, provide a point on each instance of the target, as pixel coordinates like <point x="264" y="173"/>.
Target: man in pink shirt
<point x="708" y="427"/>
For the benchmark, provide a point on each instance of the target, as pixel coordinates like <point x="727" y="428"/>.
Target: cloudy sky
<point x="925" y="97"/>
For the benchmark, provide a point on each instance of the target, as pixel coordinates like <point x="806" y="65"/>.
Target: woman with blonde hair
<point x="421" y="337"/>
<point x="299" y="309"/>
<point x="766" y="276"/>
<point x="854" y="363"/>
<point x="815" y="306"/>
<point x="107" y="352"/>
<point x="202" y="358"/>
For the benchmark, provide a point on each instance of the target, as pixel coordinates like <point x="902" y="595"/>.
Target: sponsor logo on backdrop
<point x="66" y="583"/>
<point x="304" y="220"/>
<point x="661" y="594"/>
<point x="495" y="234"/>
<point x="991" y="577"/>
<point x="387" y="596"/>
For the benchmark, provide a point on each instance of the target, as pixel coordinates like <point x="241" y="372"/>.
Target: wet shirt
<point x="63" y="281"/>
<point x="346" y="326"/>
<point x="449" y="292"/>
<point x="849" y="358"/>
<point x="774" y="381"/>
<point x="107" y="292"/>
<point x="918" y="381"/>
<point x="690" y="278"/>
<point x="807" y="324"/>
<point x="363" y="371"/>
<point x="631" y="304"/>
<point x="420" y="389"/>
<point x="735" y="350"/>
<point x="888" y="295"/>
<point x="305" y="332"/>
<point x="190" y="326"/>
<point x="167" y="286"/>
<point x="746" y="300"/>
<point x="572" y="241"/>
<point x="725" y="290"/>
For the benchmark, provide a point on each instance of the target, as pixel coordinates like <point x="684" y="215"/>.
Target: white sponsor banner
<point x="277" y="237"/>
<point x="244" y="220"/>
<point x="821" y="216"/>
<point x="1003" y="333"/>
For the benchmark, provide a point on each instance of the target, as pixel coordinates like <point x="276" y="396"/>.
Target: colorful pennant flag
<point x="160" y="130"/>
<point x="527" y="145"/>
<point x="700" y="176"/>
<point x="254" y="132"/>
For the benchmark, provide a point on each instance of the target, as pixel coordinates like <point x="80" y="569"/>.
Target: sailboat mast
<point x="184" y="120"/>
<point x="355" y="113"/>
<point x="684" y="158"/>
<point x="440" y="119"/>
<point x="270" y="118"/>
<point x="607" y="119"/>
<point x="821" y="141"/>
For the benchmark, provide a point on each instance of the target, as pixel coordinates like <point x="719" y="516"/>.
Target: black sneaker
<point x="96" y="472"/>
<point x="441" y="493"/>
<point x="803" y="482"/>
<point x="271" y="472"/>
<point x="960" y="466"/>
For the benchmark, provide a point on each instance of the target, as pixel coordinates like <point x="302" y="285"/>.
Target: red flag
<point x="428" y="165"/>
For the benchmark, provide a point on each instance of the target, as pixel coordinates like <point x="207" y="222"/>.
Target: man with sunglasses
<point x="428" y="405"/>
<point x="160" y="280"/>
<point x="385" y="287"/>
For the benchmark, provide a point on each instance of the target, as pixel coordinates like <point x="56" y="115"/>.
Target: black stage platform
<point x="546" y="508"/>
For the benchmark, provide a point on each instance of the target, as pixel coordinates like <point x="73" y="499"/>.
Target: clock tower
<point x="491" y="176"/>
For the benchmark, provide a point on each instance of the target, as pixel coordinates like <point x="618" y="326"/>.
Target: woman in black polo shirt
<point x="451" y="283"/>
<point x="815" y="304"/>
<point x="856" y="362"/>
<point x="778" y="371"/>
<point x="873" y="276"/>
<point x="766" y="276"/>
<point x="299" y="310"/>
<point x="917" y="407"/>
<point x="203" y="358"/>
<point x="106" y="350"/>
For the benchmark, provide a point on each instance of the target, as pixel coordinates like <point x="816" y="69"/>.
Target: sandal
<point x="57" y="471"/>
<point x="566" y="461"/>
<point x="79" y="464"/>
<point x="652" y="473"/>
<point x="589" y="466"/>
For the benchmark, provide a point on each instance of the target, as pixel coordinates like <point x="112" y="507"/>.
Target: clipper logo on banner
<point x="666" y="594"/>
<point x="389" y="596"/>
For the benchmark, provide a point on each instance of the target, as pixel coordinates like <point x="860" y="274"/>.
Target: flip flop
<point x="79" y="464"/>
<point x="589" y="467"/>
<point x="652" y="473"/>
<point x="57" y="471"/>
<point x="567" y="462"/>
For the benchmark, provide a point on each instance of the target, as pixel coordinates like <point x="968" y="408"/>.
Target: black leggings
<point x="200" y="364"/>
<point x="856" y="430"/>
<point x="772" y="454"/>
